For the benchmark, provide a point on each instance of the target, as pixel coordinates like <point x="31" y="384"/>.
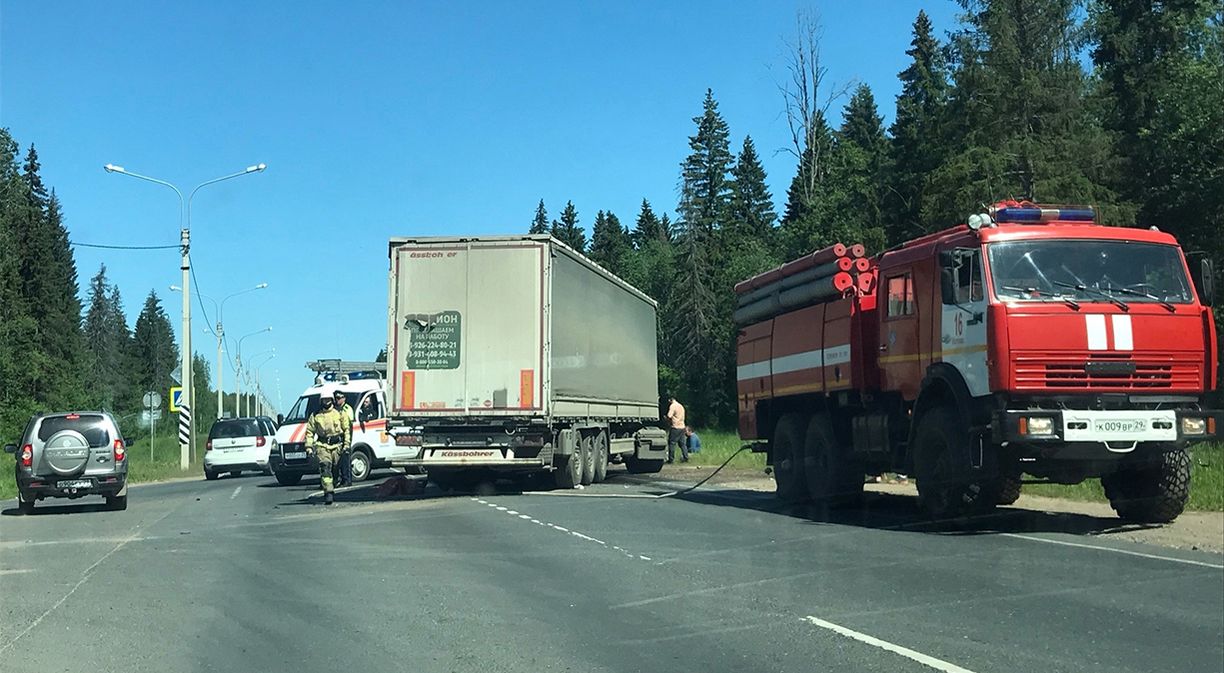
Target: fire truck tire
<point x="586" y="449"/>
<point x="569" y="473"/>
<point x="946" y="487"/>
<point x="829" y="474"/>
<point x="788" y="457"/>
<point x="601" y="457"/>
<point x="1009" y="489"/>
<point x="1151" y="494"/>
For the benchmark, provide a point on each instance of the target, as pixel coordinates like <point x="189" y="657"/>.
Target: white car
<point x="237" y="444"/>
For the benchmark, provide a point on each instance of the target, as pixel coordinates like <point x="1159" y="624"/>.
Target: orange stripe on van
<point x="407" y="390"/>
<point x="527" y="389"/>
<point x="298" y="433"/>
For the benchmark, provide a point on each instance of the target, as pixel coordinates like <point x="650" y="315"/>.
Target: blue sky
<point x="381" y="119"/>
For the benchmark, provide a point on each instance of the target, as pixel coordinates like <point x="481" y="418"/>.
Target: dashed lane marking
<point x="561" y="529"/>
<point x="1080" y="545"/>
<point x="235" y="493"/>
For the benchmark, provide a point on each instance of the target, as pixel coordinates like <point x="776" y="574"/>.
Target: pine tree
<point x="567" y="229"/>
<point x="916" y="148"/>
<point x="107" y="338"/>
<point x="609" y="242"/>
<point x="854" y="198"/>
<point x="801" y="230"/>
<point x="705" y="191"/>
<point x="539" y="225"/>
<point x="752" y="210"/>
<point x="648" y="227"/>
<point x="19" y="356"/>
<point x="670" y="229"/>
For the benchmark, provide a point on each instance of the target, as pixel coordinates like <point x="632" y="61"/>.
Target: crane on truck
<point x="1029" y="340"/>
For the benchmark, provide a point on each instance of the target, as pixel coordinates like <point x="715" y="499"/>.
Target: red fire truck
<point x="1028" y="341"/>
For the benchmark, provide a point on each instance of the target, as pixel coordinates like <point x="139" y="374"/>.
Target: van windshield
<point x="1088" y="270"/>
<point x="302" y="409"/>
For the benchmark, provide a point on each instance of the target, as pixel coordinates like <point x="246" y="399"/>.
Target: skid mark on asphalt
<point x="913" y="655"/>
<point x="560" y="529"/>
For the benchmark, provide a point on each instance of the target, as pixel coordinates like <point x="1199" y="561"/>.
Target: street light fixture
<point x="238" y="362"/>
<point x="256" y="368"/>
<point x="219" y="332"/>
<point x="187" y="399"/>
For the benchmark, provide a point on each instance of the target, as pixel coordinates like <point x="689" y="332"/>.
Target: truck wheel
<point x="788" y="458"/>
<point x="1009" y="489"/>
<point x="601" y="457"/>
<point x="359" y="463"/>
<point x="288" y="479"/>
<point x="941" y="462"/>
<point x="569" y="474"/>
<point x="586" y="447"/>
<point x="1154" y="493"/>
<point x="830" y="476"/>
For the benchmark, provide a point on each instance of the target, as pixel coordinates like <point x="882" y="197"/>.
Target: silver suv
<point x="71" y="455"/>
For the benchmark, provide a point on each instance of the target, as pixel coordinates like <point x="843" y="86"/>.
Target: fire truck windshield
<point x="1089" y="271"/>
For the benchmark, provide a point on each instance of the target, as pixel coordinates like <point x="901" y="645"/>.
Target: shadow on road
<point x="50" y="509"/>
<point x="887" y="511"/>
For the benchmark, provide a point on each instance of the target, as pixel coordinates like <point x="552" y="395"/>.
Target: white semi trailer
<point x="516" y="354"/>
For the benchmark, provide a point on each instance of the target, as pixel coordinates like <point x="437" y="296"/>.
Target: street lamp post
<point x="187" y="399"/>
<point x="256" y="368"/>
<point x="238" y="364"/>
<point x="219" y="332"/>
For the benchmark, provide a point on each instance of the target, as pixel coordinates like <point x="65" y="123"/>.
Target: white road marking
<point x="16" y="571"/>
<point x="235" y="493"/>
<point x="1158" y="557"/>
<point x="560" y="529"/>
<point x="924" y="659"/>
<point x="88" y="572"/>
<point x="709" y="590"/>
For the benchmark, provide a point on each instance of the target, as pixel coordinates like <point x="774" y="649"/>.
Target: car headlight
<point x="1038" y="426"/>
<point x="1193" y="425"/>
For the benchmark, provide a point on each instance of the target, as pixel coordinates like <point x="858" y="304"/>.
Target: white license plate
<point x="75" y="483"/>
<point x="1120" y="426"/>
<point x="295" y="455"/>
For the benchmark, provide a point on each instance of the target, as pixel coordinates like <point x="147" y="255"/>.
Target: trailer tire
<point x="830" y="475"/>
<point x="787" y="458"/>
<point x="586" y="449"/>
<point x="569" y="473"/>
<point x="1009" y="489"/>
<point x="1152" y="494"/>
<point x="946" y="487"/>
<point x="601" y="457"/>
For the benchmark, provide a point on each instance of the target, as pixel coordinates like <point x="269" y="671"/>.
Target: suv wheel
<point x="116" y="503"/>
<point x="210" y="475"/>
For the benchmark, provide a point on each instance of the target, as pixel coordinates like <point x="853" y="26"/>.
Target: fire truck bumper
<point x="1071" y="433"/>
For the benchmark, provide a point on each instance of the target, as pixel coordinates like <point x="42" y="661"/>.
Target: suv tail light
<point x="120" y="450"/>
<point x="27" y="455"/>
<point x="208" y="445"/>
<point x="260" y="441"/>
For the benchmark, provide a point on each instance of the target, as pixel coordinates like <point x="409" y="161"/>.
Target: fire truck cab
<point x="1029" y="341"/>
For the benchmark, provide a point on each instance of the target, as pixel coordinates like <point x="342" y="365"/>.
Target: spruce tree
<point x="154" y="351"/>
<point x="801" y="230"/>
<point x="609" y="242"/>
<point x="752" y="210"/>
<point x="648" y="227"/>
<point x="567" y="229"/>
<point x="539" y="225"/>
<point x="916" y="148"/>
<point x="853" y="207"/>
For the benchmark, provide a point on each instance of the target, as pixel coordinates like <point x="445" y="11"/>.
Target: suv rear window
<point x="235" y="428"/>
<point x="92" y="427"/>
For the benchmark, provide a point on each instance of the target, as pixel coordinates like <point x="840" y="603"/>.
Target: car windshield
<point x="1088" y="270"/>
<point x="92" y="427"/>
<point x="239" y="427"/>
<point x="302" y="409"/>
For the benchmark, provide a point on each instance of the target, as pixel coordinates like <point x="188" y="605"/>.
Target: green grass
<point x="142" y="467"/>
<point x="717" y="446"/>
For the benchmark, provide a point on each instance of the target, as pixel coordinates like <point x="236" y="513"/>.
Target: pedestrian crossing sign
<point x="176" y="396"/>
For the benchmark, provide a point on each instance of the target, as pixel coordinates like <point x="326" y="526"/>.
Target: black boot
<point x="328" y="498"/>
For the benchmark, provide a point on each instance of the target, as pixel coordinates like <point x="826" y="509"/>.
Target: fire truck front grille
<point x="1077" y="372"/>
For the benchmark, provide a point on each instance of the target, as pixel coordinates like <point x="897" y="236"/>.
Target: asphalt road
<point x="241" y="575"/>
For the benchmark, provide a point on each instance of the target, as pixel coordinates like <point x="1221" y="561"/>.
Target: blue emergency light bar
<point x="1035" y="214"/>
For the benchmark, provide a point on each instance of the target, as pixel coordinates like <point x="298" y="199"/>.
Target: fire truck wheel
<point x="1009" y="489"/>
<point x="1154" y="493"/>
<point x="829" y="474"/>
<point x="601" y="457"/>
<point x="946" y="487"/>
<point x="788" y="457"/>
<point x="586" y="448"/>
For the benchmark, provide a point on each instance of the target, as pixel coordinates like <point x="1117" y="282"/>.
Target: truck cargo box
<point x="516" y="326"/>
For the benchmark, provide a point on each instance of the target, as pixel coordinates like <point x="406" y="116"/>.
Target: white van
<point x="372" y="447"/>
